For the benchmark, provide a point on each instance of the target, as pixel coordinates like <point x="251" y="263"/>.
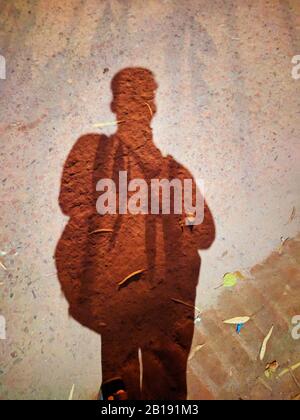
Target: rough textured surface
<point x="228" y="366"/>
<point x="228" y="110"/>
<point x="141" y="314"/>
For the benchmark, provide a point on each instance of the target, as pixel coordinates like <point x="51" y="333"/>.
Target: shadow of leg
<point x="164" y="371"/>
<point x="119" y="360"/>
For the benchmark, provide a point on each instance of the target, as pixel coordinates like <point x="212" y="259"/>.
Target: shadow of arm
<point x="205" y="233"/>
<point x="77" y="179"/>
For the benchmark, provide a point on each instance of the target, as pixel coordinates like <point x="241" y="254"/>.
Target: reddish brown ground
<point x="228" y="366"/>
<point x="141" y="314"/>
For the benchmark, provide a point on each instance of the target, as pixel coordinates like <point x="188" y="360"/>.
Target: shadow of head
<point x="134" y="95"/>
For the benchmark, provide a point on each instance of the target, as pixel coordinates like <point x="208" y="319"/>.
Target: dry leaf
<point x="186" y="304"/>
<point x="265" y="343"/>
<point x="283" y="242"/>
<point x="239" y="275"/>
<point x="71" y="393"/>
<point x="238" y="320"/>
<point x="297" y="398"/>
<point x="195" y="350"/>
<point x="296" y="366"/>
<point x="292" y="216"/>
<point x="3" y="266"/>
<point x="292" y="368"/>
<point x="150" y="109"/>
<point x="271" y="368"/>
<point x="130" y="277"/>
<point x="107" y="124"/>
<point x="101" y="231"/>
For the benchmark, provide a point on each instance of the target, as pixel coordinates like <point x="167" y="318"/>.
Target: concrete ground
<point x="228" y="109"/>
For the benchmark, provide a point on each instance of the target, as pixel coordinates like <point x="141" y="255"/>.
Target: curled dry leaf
<point x="239" y="275"/>
<point x="271" y="368"/>
<point x="265" y="343"/>
<point x="150" y="109"/>
<point x="238" y="320"/>
<point x="101" y="231"/>
<point x="136" y="273"/>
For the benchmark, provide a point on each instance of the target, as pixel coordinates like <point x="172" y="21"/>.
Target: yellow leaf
<point x="268" y="374"/>
<point x="230" y="280"/>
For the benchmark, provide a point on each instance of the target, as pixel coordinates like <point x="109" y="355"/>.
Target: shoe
<point x="113" y="390"/>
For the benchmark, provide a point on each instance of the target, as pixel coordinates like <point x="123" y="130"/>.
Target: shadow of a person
<point x="96" y="251"/>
